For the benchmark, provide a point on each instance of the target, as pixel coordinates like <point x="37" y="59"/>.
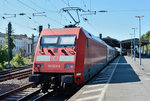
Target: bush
<point x="1" y="67"/>
<point x="3" y="55"/>
<point x="27" y="61"/>
<point x="18" y="60"/>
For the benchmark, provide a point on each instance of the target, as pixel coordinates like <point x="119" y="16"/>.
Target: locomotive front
<point x="54" y="60"/>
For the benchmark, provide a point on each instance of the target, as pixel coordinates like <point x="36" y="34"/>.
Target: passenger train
<point x="68" y="56"/>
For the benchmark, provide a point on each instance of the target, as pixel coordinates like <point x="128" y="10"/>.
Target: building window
<point x="28" y="48"/>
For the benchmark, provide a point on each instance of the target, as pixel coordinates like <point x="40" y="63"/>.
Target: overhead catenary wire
<point x="27" y="5"/>
<point x="84" y="4"/>
<point x="54" y="20"/>
<point x="22" y="14"/>
<point x="2" y="29"/>
<point x="49" y="18"/>
<point x="65" y="3"/>
<point x="31" y="9"/>
<point x="42" y="7"/>
<point x="52" y="4"/>
<point x="130" y="10"/>
<point x="26" y="26"/>
<point x="60" y="11"/>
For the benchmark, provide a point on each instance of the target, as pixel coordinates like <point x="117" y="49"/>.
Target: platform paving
<point x="130" y="82"/>
<point x="122" y="80"/>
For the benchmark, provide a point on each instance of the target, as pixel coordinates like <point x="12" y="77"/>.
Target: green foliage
<point x="4" y="51"/>
<point x="3" y="54"/>
<point x="146" y="36"/>
<point x="27" y="61"/>
<point x="18" y="60"/>
<point x="1" y="67"/>
<point x="12" y="45"/>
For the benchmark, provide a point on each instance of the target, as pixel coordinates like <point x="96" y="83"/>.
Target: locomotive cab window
<point x="66" y="40"/>
<point x="49" y="41"/>
<point x="58" y="41"/>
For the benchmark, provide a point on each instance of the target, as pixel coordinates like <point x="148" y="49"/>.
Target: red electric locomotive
<point x="68" y="56"/>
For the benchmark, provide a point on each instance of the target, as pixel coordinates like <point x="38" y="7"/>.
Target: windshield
<point x="66" y="40"/>
<point x="58" y="41"/>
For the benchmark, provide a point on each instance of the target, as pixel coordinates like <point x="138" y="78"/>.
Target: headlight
<point x="78" y="74"/>
<point x="69" y="66"/>
<point x="39" y="65"/>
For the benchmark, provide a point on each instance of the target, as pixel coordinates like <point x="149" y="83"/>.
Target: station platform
<point x="122" y="80"/>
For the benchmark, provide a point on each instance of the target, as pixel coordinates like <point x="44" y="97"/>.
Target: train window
<point x="47" y="41"/>
<point x="86" y="43"/>
<point x="67" y="40"/>
<point x="58" y="41"/>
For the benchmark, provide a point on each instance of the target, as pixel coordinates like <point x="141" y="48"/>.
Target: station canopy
<point x="126" y="44"/>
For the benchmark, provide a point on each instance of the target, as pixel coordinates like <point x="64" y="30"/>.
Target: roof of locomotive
<point x="96" y="39"/>
<point x="60" y="31"/>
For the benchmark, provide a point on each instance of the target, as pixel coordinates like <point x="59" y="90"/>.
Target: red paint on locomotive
<point x="82" y="60"/>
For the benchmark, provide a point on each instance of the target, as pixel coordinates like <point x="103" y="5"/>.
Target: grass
<point x="27" y="61"/>
<point x="15" y="64"/>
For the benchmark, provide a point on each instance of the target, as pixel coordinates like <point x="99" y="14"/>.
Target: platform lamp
<point x="134" y="43"/>
<point x="131" y="45"/>
<point x="139" y="17"/>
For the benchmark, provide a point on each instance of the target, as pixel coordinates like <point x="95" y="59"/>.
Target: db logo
<point x="54" y="58"/>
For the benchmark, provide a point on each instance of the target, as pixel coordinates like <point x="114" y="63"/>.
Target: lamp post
<point x="131" y="45"/>
<point x="134" y="43"/>
<point x="139" y="37"/>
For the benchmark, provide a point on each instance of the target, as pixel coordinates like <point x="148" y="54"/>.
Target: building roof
<point x="2" y="34"/>
<point x="21" y="36"/>
<point x="111" y="41"/>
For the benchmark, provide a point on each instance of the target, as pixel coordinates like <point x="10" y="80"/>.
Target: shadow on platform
<point x="122" y="60"/>
<point x="124" y="73"/>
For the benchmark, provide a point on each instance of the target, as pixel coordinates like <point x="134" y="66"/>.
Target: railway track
<point x="25" y="93"/>
<point x="49" y="96"/>
<point x="19" y="74"/>
<point x="14" y="69"/>
<point x="35" y="96"/>
<point x="7" y="96"/>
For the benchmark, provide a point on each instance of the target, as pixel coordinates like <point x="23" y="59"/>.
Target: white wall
<point x="2" y="41"/>
<point x="18" y="44"/>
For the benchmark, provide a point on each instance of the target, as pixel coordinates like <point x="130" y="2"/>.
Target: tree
<point x="146" y="36"/>
<point x="12" y="45"/>
<point x="143" y="36"/>
<point x="3" y="54"/>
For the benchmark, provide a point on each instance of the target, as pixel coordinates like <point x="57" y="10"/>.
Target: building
<point x="2" y="39"/>
<point x="35" y="42"/>
<point x="22" y="42"/>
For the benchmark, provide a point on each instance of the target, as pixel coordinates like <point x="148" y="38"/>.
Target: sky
<point x="117" y="22"/>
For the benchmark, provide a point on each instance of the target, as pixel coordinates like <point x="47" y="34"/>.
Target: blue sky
<point x="116" y="23"/>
